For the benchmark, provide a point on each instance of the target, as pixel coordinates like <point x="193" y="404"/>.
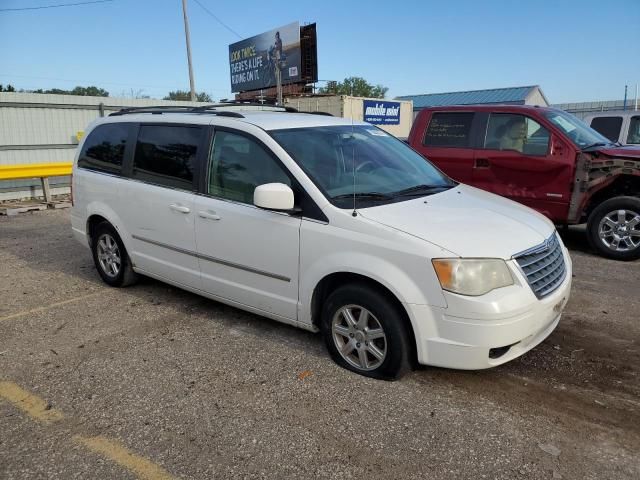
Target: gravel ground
<point x="203" y="390"/>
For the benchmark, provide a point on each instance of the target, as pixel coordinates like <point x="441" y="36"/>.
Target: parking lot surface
<point x="154" y="382"/>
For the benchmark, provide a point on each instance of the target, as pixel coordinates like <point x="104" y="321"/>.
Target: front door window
<point x="238" y="165"/>
<point x="506" y="131"/>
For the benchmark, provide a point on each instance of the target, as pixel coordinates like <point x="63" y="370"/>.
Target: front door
<point x="160" y="198"/>
<point x="518" y="160"/>
<point x="247" y="255"/>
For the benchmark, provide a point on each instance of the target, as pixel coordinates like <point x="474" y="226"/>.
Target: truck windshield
<point x="385" y="169"/>
<point x="579" y="133"/>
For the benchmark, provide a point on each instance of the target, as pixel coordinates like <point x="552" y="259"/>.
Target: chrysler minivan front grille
<point x="543" y="266"/>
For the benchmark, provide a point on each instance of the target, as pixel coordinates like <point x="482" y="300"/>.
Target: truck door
<point x="520" y="159"/>
<point x="447" y="143"/>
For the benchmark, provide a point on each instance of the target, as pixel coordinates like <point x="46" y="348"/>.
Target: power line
<point x="52" y="6"/>
<point x="218" y="20"/>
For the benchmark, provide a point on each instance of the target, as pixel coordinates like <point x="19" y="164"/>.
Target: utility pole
<point x="188" y="39"/>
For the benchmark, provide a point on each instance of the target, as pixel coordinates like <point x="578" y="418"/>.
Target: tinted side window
<point x="608" y="126"/>
<point x="238" y="165"/>
<point x="507" y="131"/>
<point x="449" y="129"/>
<point x="166" y="155"/>
<point x="634" y="131"/>
<point x="103" y="150"/>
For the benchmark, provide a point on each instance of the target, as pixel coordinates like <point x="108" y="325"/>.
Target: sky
<point x="576" y="50"/>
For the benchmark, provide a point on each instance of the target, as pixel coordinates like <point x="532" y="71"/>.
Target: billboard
<point x="379" y="112"/>
<point x="255" y="62"/>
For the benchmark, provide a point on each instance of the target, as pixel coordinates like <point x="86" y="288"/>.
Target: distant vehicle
<point x="544" y="158"/>
<point x="322" y="223"/>
<point x="618" y="126"/>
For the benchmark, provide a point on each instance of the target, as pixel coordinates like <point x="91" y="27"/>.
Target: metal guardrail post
<point x="45" y="189"/>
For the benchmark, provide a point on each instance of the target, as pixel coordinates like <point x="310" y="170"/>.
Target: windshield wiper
<point x="366" y="195"/>
<point x="419" y="190"/>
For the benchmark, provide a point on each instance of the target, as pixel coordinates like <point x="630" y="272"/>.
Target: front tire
<point x="365" y="332"/>
<point x="110" y="257"/>
<point x="614" y="228"/>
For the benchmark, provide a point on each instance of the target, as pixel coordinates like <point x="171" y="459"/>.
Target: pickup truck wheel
<point x="111" y="258"/>
<point x="614" y="228"/>
<point x="365" y="333"/>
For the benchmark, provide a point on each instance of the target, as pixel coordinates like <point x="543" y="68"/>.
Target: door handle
<point x="208" y="215"/>
<point x="179" y="208"/>
<point x="482" y="163"/>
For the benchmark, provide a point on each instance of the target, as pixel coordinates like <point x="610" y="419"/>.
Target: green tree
<point x="356" y="86"/>
<point x="89" y="91"/>
<point x="81" y="91"/>
<point x="8" y="88"/>
<point x="183" y="95"/>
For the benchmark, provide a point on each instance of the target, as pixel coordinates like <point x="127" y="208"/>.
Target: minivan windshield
<point x="343" y="160"/>
<point x="578" y="131"/>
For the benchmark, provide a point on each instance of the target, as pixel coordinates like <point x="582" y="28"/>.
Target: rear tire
<point x="110" y="257"/>
<point x="365" y="332"/>
<point x="614" y="228"/>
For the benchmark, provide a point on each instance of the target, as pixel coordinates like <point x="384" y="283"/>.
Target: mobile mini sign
<point x="381" y="113"/>
<point x="253" y="61"/>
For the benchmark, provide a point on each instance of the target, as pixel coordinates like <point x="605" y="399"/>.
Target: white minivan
<point x="322" y="223"/>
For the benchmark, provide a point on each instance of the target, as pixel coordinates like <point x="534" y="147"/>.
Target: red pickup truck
<point x="544" y="158"/>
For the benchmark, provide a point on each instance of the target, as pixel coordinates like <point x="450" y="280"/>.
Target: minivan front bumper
<point x="474" y="342"/>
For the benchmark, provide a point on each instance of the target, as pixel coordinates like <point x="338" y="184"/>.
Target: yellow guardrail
<point x="34" y="170"/>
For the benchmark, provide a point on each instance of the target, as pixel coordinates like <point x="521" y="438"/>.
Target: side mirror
<point x="557" y="147"/>
<point x="274" y="196"/>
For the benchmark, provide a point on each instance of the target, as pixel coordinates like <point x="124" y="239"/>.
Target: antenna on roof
<point x="353" y="156"/>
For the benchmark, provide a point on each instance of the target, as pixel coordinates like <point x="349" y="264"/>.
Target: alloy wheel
<point x="109" y="255"/>
<point x="359" y="337"/>
<point x="619" y="230"/>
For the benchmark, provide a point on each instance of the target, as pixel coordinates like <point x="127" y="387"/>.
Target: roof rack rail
<point x="211" y="108"/>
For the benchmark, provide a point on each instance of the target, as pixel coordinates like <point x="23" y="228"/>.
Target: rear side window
<point x="449" y="129"/>
<point x="608" y="126"/>
<point x="103" y="150"/>
<point x="166" y="155"/>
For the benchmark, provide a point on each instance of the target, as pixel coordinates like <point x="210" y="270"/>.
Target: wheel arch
<point x="620" y="186"/>
<point x="98" y="213"/>
<point x="330" y="282"/>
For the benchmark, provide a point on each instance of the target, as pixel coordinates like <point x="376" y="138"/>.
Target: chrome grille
<point x="543" y="266"/>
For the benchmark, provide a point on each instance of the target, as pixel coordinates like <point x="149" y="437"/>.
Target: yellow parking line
<point x="32" y="405"/>
<point x="113" y="450"/>
<point x="46" y="307"/>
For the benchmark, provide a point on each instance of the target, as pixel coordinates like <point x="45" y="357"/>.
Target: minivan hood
<point x="466" y="221"/>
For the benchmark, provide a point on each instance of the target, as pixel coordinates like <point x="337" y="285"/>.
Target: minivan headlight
<point x="472" y="276"/>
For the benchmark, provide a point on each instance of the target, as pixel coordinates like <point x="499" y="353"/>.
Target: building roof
<point x="513" y="95"/>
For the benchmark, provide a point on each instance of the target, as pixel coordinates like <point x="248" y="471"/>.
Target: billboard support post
<point x="279" y="84"/>
<point x="188" y="39"/>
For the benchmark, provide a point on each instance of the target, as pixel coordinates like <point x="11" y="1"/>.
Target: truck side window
<point x="507" y="131"/>
<point x="449" y="129"/>
<point x="238" y="165"/>
<point x="103" y="150"/>
<point x="634" y="131"/>
<point x="608" y="126"/>
<point x="166" y="155"/>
